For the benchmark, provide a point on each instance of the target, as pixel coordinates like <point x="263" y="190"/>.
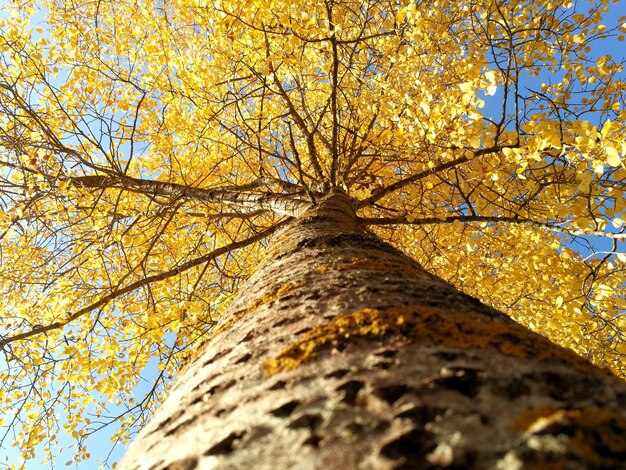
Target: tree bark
<point x="343" y="353"/>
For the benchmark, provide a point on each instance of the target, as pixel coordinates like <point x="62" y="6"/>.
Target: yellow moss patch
<point x="191" y="355"/>
<point x="268" y="297"/>
<point x="592" y="430"/>
<point x="369" y="264"/>
<point x="536" y="419"/>
<point x="364" y="322"/>
<point x="461" y="330"/>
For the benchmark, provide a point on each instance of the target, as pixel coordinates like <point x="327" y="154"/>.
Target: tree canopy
<point x="149" y="149"/>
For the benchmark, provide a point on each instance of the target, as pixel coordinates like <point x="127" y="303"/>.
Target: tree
<point x="341" y="352"/>
<point x="150" y="151"/>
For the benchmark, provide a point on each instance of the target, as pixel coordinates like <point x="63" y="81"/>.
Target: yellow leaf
<point x="613" y="157"/>
<point x="509" y="152"/>
<point x="466" y="87"/>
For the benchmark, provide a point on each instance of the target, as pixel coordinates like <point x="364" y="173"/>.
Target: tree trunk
<point x="343" y="353"/>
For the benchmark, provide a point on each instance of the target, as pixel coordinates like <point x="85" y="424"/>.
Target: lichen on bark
<point x="453" y="329"/>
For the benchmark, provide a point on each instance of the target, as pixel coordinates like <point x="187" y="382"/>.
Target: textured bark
<point x="342" y="353"/>
<point x="283" y="204"/>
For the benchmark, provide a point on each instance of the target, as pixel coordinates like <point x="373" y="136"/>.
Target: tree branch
<point x="140" y="283"/>
<point x="334" y="83"/>
<point x="280" y="204"/>
<point x="488" y="218"/>
<point x="310" y="140"/>
<point x="423" y="174"/>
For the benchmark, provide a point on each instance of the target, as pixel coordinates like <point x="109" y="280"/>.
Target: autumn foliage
<point x="149" y="149"/>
